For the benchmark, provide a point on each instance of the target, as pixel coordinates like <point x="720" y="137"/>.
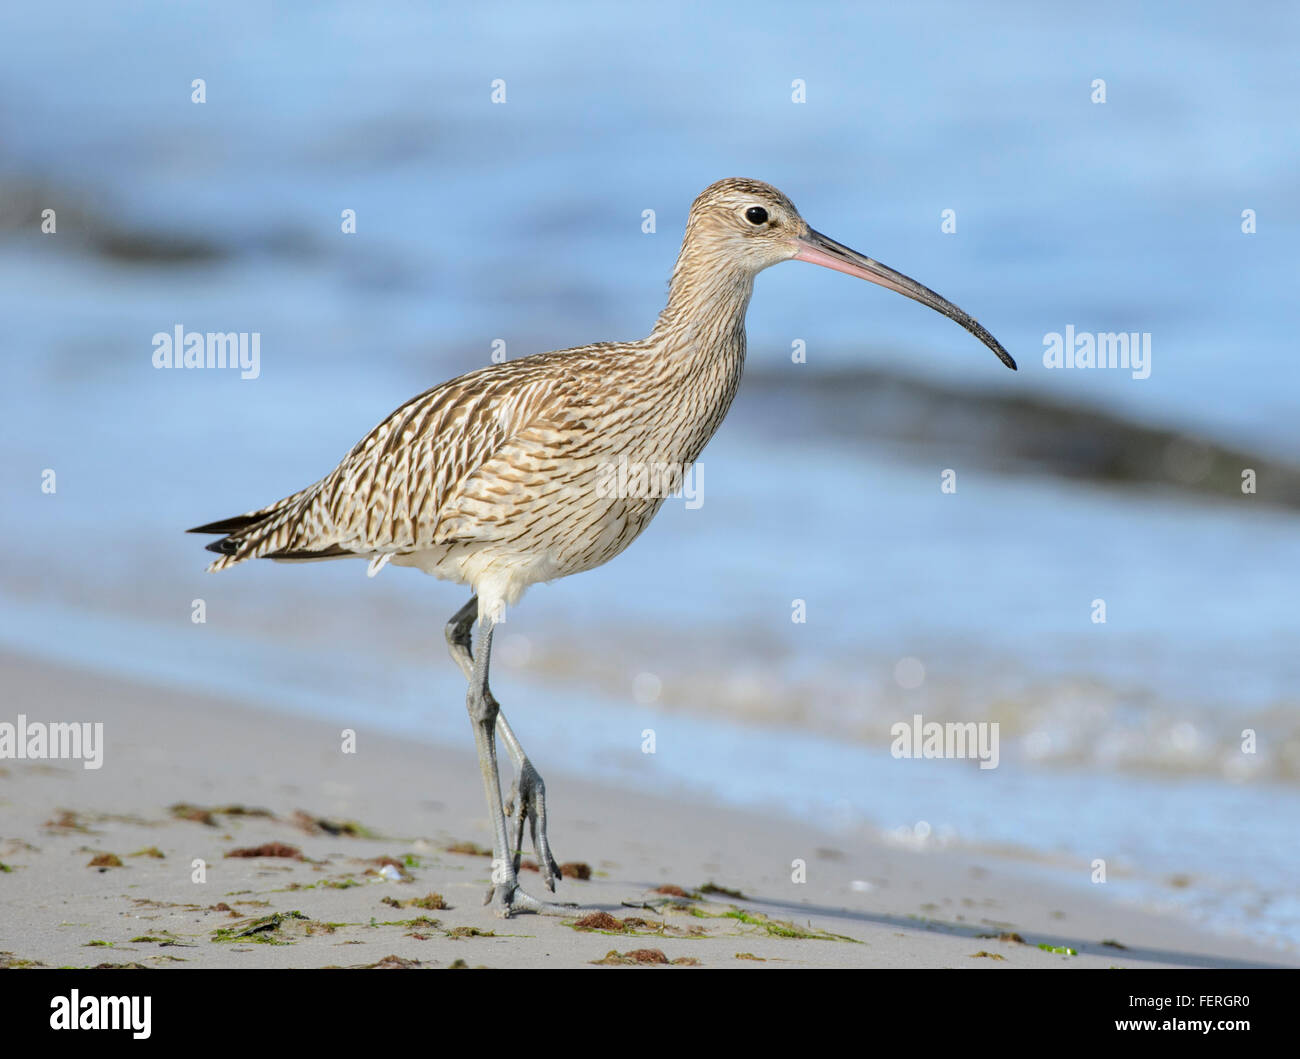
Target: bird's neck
<point x="704" y="320"/>
<point x="695" y="355"/>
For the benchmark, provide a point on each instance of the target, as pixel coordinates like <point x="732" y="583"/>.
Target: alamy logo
<point x="77" y="1012"/>
<point x="922" y="739"/>
<point x="1123" y="350"/>
<point x="239" y="350"/>
<point x="624" y="479"/>
<point x="38" y="740"/>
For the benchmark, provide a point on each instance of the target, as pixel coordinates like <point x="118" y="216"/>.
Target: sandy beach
<point x="374" y="859"/>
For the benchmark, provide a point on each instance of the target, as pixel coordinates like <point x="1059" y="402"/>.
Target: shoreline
<point x="366" y="838"/>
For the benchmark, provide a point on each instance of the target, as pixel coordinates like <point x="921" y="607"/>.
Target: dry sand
<point x="414" y="805"/>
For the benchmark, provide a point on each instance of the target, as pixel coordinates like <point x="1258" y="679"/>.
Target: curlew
<point x="500" y="479"/>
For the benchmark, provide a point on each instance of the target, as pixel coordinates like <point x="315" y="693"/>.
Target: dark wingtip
<point x="225" y="546"/>
<point x="225" y="525"/>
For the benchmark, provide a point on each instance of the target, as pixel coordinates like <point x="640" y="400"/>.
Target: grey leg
<point x="458" y="636"/>
<point x="506" y="896"/>
<point x="526" y="803"/>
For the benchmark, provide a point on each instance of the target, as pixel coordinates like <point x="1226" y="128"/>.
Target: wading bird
<point x="499" y="479"/>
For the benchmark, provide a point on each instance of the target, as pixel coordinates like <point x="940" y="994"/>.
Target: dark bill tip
<point x="821" y="250"/>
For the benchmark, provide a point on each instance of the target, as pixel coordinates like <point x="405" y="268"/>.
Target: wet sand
<point x="372" y="858"/>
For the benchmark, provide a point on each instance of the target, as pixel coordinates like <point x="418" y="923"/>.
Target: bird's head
<point x="751" y="225"/>
<point x="744" y="222"/>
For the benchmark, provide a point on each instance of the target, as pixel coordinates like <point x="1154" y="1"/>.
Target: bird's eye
<point x="756" y="215"/>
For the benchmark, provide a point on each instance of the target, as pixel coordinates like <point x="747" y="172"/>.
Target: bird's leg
<point x="526" y="803"/>
<point x="506" y="895"/>
<point x="458" y="636"/>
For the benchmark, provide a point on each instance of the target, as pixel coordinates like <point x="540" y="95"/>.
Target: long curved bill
<point x="821" y="250"/>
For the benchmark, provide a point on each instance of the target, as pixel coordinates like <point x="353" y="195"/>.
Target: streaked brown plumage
<point x="497" y="479"/>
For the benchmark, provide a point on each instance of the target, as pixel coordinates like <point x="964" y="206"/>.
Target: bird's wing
<point x="542" y="435"/>
<point x="390" y="493"/>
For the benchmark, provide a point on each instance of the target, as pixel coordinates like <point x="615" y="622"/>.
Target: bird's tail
<point x="268" y="533"/>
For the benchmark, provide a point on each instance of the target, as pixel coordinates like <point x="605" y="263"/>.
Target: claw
<point x="510" y="899"/>
<point x="527" y="804"/>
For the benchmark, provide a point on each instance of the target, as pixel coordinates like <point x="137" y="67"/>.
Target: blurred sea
<point x="522" y="223"/>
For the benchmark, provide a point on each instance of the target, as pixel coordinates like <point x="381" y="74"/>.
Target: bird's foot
<point x="527" y="804"/>
<point x="509" y="898"/>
